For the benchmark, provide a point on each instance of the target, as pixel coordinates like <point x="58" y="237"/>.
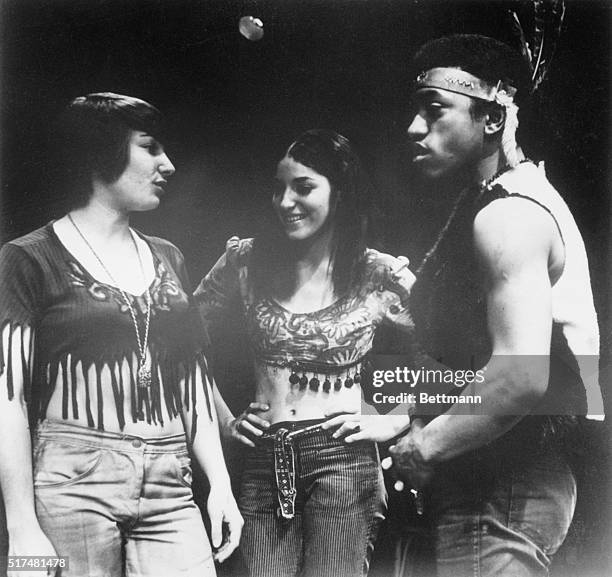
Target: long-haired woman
<point x="313" y="295"/>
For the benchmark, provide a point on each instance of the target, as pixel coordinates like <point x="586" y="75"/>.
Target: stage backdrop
<point x="234" y="104"/>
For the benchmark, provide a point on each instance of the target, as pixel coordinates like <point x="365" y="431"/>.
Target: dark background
<point x="234" y="105"/>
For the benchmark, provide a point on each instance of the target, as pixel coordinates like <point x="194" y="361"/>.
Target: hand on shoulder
<point x="391" y="272"/>
<point x="237" y="250"/>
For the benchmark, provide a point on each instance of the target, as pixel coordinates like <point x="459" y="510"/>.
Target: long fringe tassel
<point x="508" y="142"/>
<point x="73" y="373"/>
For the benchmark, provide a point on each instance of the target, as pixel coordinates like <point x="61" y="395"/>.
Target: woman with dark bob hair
<point x="103" y="356"/>
<point x="313" y="295"/>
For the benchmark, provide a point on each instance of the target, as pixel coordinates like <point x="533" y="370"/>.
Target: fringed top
<point x="80" y="323"/>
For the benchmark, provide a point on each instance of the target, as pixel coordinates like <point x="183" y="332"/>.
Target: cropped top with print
<point x="80" y="323"/>
<point x="325" y="348"/>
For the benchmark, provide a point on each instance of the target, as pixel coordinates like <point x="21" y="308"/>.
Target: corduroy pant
<point x="340" y="502"/>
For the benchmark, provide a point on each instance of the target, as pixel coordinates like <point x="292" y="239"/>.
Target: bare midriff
<point x="289" y="402"/>
<point x="140" y="428"/>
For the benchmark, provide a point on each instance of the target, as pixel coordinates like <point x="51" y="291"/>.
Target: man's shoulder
<point x="517" y="209"/>
<point x="514" y="228"/>
<point x="530" y="181"/>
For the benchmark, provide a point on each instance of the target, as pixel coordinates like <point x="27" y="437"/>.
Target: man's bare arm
<point x="514" y="241"/>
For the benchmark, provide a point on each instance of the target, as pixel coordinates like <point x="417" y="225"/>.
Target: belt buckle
<point x="284" y="467"/>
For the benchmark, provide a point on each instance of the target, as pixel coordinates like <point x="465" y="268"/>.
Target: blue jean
<point x="119" y="505"/>
<point x="499" y="515"/>
<point x="339" y="504"/>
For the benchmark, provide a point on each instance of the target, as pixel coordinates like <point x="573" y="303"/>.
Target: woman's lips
<point x="293" y="218"/>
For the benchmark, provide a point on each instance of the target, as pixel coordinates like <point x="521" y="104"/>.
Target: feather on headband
<point x="547" y="22"/>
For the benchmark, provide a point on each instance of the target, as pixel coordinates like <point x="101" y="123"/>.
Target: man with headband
<point x="505" y="291"/>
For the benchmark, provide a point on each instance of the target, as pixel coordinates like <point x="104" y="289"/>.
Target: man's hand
<point x="356" y="427"/>
<point x="247" y="425"/>
<point x="408" y="459"/>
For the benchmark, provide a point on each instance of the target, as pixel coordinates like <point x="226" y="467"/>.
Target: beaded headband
<point x="462" y="82"/>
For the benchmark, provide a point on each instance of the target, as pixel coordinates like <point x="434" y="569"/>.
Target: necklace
<point x="144" y="362"/>
<point x="487" y="184"/>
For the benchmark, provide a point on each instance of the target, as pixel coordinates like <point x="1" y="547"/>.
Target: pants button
<point x="136" y="443"/>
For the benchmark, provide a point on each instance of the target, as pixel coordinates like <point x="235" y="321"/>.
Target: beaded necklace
<point x="144" y="362"/>
<point x="488" y="183"/>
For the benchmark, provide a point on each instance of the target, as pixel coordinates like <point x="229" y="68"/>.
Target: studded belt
<point x="284" y="467"/>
